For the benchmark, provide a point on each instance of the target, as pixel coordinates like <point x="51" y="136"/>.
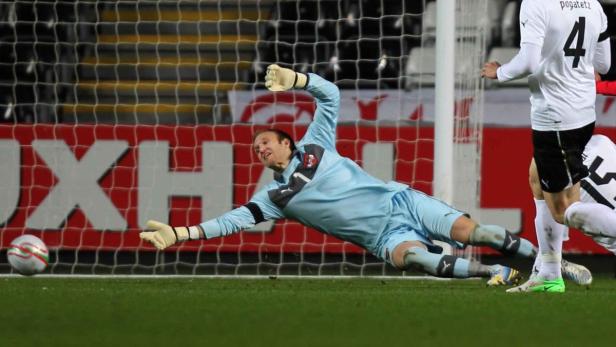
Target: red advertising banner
<point x="83" y="186"/>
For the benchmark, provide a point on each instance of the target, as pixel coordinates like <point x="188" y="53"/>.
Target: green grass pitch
<point x="299" y="312"/>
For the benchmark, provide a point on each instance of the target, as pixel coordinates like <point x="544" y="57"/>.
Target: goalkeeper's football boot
<point x="579" y="274"/>
<point x="503" y="276"/>
<point x="539" y="285"/>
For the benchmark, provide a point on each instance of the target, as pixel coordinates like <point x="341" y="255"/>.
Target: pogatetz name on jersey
<point x="574" y="4"/>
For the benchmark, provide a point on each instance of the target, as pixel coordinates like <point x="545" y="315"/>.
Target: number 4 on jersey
<point x="578" y="51"/>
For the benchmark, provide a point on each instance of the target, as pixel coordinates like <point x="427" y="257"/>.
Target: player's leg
<point x="560" y="167"/>
<point x="444" y="223"/>
<point x="592" y="218"/>
<point x="601" y="194"/>
<point x="416" y="255"/>
<point x="549" y="232"/>
<point x="553" y="155"/>
<point x="468" y="232"/>
<point x="420" y="218"/>
<point x="545" y="222"/>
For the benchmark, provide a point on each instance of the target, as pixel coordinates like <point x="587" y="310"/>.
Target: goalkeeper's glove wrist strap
<point x="181" y="234"/>
<point x="301" y="80"/>
<point x="194" y="231"/>
<point x="188" y="233"/>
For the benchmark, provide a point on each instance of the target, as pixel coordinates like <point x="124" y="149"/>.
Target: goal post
<point x="444" y="99"/>
<point x="116" y="112"/>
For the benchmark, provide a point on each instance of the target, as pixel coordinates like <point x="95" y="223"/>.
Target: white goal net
<point x="116" y="112"/>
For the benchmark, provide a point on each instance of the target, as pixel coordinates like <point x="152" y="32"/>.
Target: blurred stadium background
<point x="114" y="112"/>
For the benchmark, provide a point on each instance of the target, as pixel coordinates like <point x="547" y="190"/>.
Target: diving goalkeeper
<point x="316" y="186"/>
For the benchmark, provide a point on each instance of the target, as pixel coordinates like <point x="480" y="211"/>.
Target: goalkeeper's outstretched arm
<point x="259" y="209"/>
<point x="162" y="235"/>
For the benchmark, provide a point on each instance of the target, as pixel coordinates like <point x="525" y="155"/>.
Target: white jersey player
<point x="562" y="44"/>
<point x="564" y="36"/>
<point x="599" y="186"/>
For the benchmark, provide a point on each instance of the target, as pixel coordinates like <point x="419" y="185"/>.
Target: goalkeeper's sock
<point x="550" y="239"/>
<point x="502" y="240"/>
<point x="443" y="265"/>
<point x="592" y="218"/>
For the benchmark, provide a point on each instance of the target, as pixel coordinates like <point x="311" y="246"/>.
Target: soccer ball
<point x="28" y="255"/>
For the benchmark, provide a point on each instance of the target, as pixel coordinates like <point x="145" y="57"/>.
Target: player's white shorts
<point x="416" y="216"/>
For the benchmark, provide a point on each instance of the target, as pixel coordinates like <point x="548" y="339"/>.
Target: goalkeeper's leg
<point x="468" y="232"/>
<point x="414" y="254"/>
<point x="443" y="222"/>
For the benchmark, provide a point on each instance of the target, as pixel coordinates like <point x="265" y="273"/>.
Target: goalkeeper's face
<point x="271" y="151"/>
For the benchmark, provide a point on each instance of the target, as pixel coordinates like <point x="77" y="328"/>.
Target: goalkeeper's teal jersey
<point x="319" y="188"/>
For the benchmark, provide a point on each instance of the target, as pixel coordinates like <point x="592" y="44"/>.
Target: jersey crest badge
<point x="310" y="161"/>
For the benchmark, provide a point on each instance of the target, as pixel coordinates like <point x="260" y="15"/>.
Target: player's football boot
<point x="503" y="276"/>
<point x="576" y="273"/>
<point x="536" y="284"/>
<point x="524" y="286"/>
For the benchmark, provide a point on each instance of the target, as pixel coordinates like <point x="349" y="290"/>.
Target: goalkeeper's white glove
<point x="279" y="79"/>
<point x="162" y="235"/>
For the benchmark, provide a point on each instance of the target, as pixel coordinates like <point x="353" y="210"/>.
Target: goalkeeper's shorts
<point x="416" y="216"/>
